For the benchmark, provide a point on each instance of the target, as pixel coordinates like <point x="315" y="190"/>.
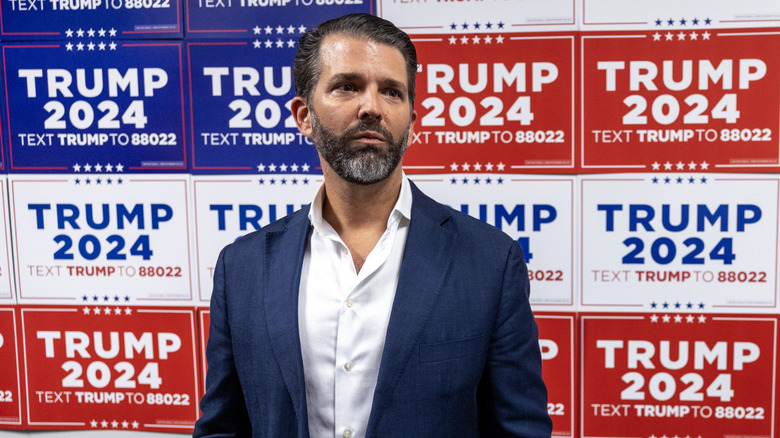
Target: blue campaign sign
<point x="264" y="18"/>
<point x="76" y="20"/>
<point x="97" y="107"/>
<point x="240" y="120"/>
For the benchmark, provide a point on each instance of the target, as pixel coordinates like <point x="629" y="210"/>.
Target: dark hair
<point x="307" y="68"/>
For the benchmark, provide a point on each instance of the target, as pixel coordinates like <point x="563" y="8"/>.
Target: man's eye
<point x="394" y="93"/>
<point x="346" y="87"/>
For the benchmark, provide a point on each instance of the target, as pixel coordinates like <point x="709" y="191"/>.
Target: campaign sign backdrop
<point x="240" y="94"/>
<point x="11" y="377"/>
<point x="678" y="374"/>
<point x="557" y="341"/>
<point x="110" y="368"/>
<point x="101" y="107"/>
<point x="274" y="19"/>
<point x="6" y="276"/>
<point x="114" y="239"/>
<point x="497" y="102"/>
<point x="90" y="20"/>
<point x="673" y="14"/>
<point x="693" y="242"/>
<point x="229" y="207"/>
<point x="537" y="211"/>
<point x="431" y="16"/>
<point x="693" y="100"/>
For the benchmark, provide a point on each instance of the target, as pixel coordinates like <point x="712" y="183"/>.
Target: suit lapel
<point x="282" y="273"/>
<point x="427" y="256"/>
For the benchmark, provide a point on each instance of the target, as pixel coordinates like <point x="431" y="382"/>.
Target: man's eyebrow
<point x="348" y="77"/>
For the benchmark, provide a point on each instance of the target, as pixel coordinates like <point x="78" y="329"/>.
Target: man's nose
<point x="370" y="106"/>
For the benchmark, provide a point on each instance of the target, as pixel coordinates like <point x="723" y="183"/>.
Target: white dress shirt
<point x="343" y="317"/>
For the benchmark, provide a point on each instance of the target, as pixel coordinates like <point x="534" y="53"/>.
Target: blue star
<point x="670" y="22"/>
<point x="666" y="305"/>
<point x="85" y="298"/>
<point x="454" y="181"/>
<point x="108" y="181"/>
<point x="127" y="298"/>
<point x="284" y="181"/>
<point x="667" y="180"/>
<point x="453" y="26"/>
<point x="695" y="22"/>
<point x="98" y="181"/>
<point x="683" y="21"/>
<point x="465" y="180"/>
<point x="78" y="181"/>
<point x="273" y="181"/>
<point x="105" y="298"/>
<point x="691" y="180"/>
<point x="500" y="180"/>
<point x="676" y="305"/>
<point x="116" y="298"/>
<point x="489" y="25"/>
<point x="704" y="180"/>
<point x="95" y="298"/>
<point x="119" y="181"/>
<point x="658" y="22"/>
<point x="488" y="180"/>
<point x="500" y="25"/>
<point x="476" y="25"/>
<point x="701" y="305"/>
<point x="295" y="181"/>
<point x="465" y="26"/>
<point x="689" y="305"/>
<point x="707" y="21"/>
<point x="679" y="180"/>
<point x="306" y="181"/>
<point x="476" y="180"/>
<point x="653" y="305"/>
<point x="261" y="181"/>
<point x="655" y="180"/>
<point x="88" y="181"/>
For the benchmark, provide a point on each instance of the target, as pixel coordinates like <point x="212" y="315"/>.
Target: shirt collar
<point x="402" y="208"/>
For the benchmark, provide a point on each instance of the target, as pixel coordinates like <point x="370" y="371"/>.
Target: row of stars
<point x="107" y="311"/>
<point x="676" y="436"/>
<point x="676" y="305"/>
<point x="679" y="180"/>
<point x="476" y="181"/>
<point x="476" y="40"/>
<point x="283" y="181"/>
<point x="91" y="46"/>
<point x="106" y="298"/>
<point x="477" y="26"/>
<point x="98" y="181"/>
<point x="680" y="165"/>
<point x="678" y="319"/>
<point x="268" y="44"/>
<point x="478" y="167"/>
<point x="99" y="167"/>
<point x="683" y="22"/>
<point x="283" y="167"/>
<point x="90" y="32"/>
<point x="279" y="30"/>
<point x="693" y="36"/>
<point x="114" y="424"/>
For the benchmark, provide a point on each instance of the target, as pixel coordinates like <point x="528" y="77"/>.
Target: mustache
<point x="372" y="125"/>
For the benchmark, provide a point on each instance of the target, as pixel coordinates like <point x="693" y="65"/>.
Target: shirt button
<point x="348" y="367"/>
<point x="350" y="302"/>
<point x="347" y="433"/>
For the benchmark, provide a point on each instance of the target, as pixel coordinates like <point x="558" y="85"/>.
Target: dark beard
<point x="364" y="164"/>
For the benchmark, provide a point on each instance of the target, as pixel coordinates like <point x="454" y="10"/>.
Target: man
<point x="376" y="312"/>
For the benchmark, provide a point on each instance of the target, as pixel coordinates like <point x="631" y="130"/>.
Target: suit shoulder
<point x="250" y="242"/>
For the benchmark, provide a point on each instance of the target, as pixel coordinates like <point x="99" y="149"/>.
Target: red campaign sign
<point x="669" y="374"/>
<point x="110" y="368"/>
<point x="693" y="100"/>
<point x="494" y="103"/>
<point x="204" y="319"/>
<point x="556" y="339"/>
<point x="11" y="377"/>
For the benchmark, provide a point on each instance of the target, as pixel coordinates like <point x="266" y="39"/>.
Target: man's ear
<point x="302" y="115"/>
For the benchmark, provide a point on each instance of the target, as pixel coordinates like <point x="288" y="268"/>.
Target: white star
<point x="294" y="167"/>
<point x="257" y="30"/>
<point x="305" y="167"/>
<point x="80" y="46"/>
<point x="656" y="165"/>
<point x="135" y="425"/>
<point x="257" y="44"/>
<point x="91" y="33"/>
<point x="705" y="165"/>
<point x="453" y="167"/>
<point x="477" y="167"/>
<point x="268" y="30"/>
<point x="283" y="168"/>
<point x="91" y="46"/>
<point x="109" y="168"/>
<point x="114" y="424"/>
<point x="691" y="166"/>
<point x="677" y="319"/>
<point x="112" y="46"/>
<point x="694" y="35"/>
<point x="261" y="167"/>
<point x="290" y="43"/>
<point x="269" y="44"/>
<point x="488" y="39"/>
<point x="112" y="32"/>
<point x="279" y="43"/>
<point x="119" y="167"/>
<point x="301" y="29"/>
<point x="106" y="311"/>
<point x="500" y="166"/>
<point x="128" y="311"/>
<point x="680" y="165"/>
<point x="69" y="47"/>
<point x="79" y="33"/>
<point x="465" y="166"/>
<point x="96" y="310"/>
<point x="453" y="40"/>
<point x="69" y="33"/>
<point x="98" y="168"/>
<point x="125" y="424"/>
<point x="101" y="32"/>
<point x="656" y="36"/>
<point x="702" y="319"/>
<point x="279" y="29"/>
<point x="706" y="35"/>
<point x="667" y="166"/>
<point x="464" y="40"/>
<point x="93" y="423"/>
<point x="117" y="311"/>
<point x="489" y="166"/>
<point x="500" y="39"/>
<point x="86" y="310"/>
<point x="102" y="46"/>
<point x="104" y="423"/>
<point x="681" y="36"/>
<point x="475" y="40"/>
<point x="272" y="167"/>
<point x="291" y="29"/>
<point x="669" y="36"/>
<point x="87" y="168"/>
<point x="654" y="318"/>
<point x="666" y="318"/>
<point x="689" y="319"/>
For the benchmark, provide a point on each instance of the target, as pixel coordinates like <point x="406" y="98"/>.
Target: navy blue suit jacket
<point x="461" y="358"/>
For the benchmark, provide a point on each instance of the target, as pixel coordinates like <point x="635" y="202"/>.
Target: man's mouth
<point x="371" y="137"/>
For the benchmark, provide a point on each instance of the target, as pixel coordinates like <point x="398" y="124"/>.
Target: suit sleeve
<point x="511" y="397"/>
<point x="223" y="406"/>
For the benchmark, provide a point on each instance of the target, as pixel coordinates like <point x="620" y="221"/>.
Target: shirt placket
<point x="345" y="340"/>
